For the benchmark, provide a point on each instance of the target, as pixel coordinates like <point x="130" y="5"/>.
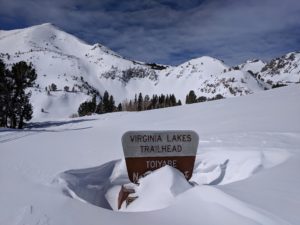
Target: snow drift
<point x="101" y="185"/>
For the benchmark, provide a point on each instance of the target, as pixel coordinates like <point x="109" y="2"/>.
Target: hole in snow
<point x="100" y="185"/>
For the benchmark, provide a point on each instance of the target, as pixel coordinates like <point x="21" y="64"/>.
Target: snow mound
<point x="159" y="189"/>
<point x="155" y="191"/>
<point x="220" y="167"/>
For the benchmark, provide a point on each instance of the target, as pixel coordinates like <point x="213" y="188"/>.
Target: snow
<point x="60" y="171"/>
<point x="62" y="59"/>
<point x="254" y="66"/>
<point x="153" y="192"/>
<point x="284" y="70"/>
<point x="57" y="104"/>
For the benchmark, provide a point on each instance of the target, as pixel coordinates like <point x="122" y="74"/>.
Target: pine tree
<point x="53" y="87"/>
<point x="66" y="88"/>
<point x="120" y="107"/>
<point x="191" y="98"/>
<point x="202" y="99"/>
<point x="146" y="102"/>
<point x="161" y="101"/>
<point x="135" y="103"/>
<point x="187" y="100"/>
<point x="105" y="102"/>
<point x="4" y="94"/>
<point x="25" y="112"/>
<point x="94" y="102"/>
<point x="173" y="100"/>
<point x="130" y="106"/>
<point x="218" y="96"/>
<point x="87" y="108"/>
<point x="15" y="105"/>
<point x="84" y="109"/>
<point x="154" y="102"/>
<point x="111" y="105"/>
<point x="167" y="101"/>
<point x="99" y="108"/>
<point x="140" y="102"/>
<point x="24" y="76"/>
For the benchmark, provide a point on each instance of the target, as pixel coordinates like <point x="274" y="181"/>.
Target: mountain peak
<point x="43" y="26"/>
<point x="204" y="59"/>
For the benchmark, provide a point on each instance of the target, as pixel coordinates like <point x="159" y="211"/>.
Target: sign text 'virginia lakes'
<point x="149" y="150"/>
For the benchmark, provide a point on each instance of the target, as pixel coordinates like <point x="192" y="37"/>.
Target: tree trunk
<point x="21" y="123"/>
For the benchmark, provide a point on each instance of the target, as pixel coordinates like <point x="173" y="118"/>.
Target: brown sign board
<point x="149" y="150"/>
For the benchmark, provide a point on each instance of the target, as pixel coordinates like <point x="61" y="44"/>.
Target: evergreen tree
<point x="130" y="106"/>
<point x="111" y="105"/>
<point x="88" y="107"/>
<point x="173" y="100"/>
<point x="167" y="101"/>
<point x="140" y="102"/>
<point x="218" y="96"/>
<point x="105" y="102"/>
<point x="154" y="102"/>
<point x="120" y="107"/>
<point x="5" y="87"/>
<point x="15" y="105"/>
<point x="187" y="100"/>
<point x="202" y="99"/>
<point x="191" y="98"/>
<point x="53" y="87"/>
<point x="146" y="102"/>
<point x="161" y="101"/>
<point x="135" y="103"/>
<point x="24" y="76"/>
<point x="94" y="102"/>
<point x="25" y="112"/>
<point x="66" y="88"/>
<point x="99" y="108"/>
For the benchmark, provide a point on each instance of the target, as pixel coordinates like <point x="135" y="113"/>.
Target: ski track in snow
<point x="8" y="135"/>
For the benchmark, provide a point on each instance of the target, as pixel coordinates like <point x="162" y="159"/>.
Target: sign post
<point x="149" y="150"/>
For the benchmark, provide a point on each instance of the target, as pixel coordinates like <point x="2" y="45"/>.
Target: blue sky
<point x="169" y="31"/>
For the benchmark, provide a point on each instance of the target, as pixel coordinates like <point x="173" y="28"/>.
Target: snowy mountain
<point x="69" y="171"/>
<point x="282" y="71"/>
<point x="255" y="66"/>
<point x="208" y="77"/>
<point x="80" y="70"/>
<point x="64" y="60"/>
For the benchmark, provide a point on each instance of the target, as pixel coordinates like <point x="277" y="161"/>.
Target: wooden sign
<point x="149" y="150"/>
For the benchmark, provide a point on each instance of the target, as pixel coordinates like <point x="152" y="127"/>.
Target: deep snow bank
<point x="154" y="191"/>
<point x="101" y="185"/>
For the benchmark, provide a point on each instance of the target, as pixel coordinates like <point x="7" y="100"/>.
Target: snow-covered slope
<point x="84" y="69"/>
<point x="282" y="71"/>
<point x="208" y="77"/>
<point x="253" y="139"/>
<point x="64" y="60"/>
<point x="254" y="66"/>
